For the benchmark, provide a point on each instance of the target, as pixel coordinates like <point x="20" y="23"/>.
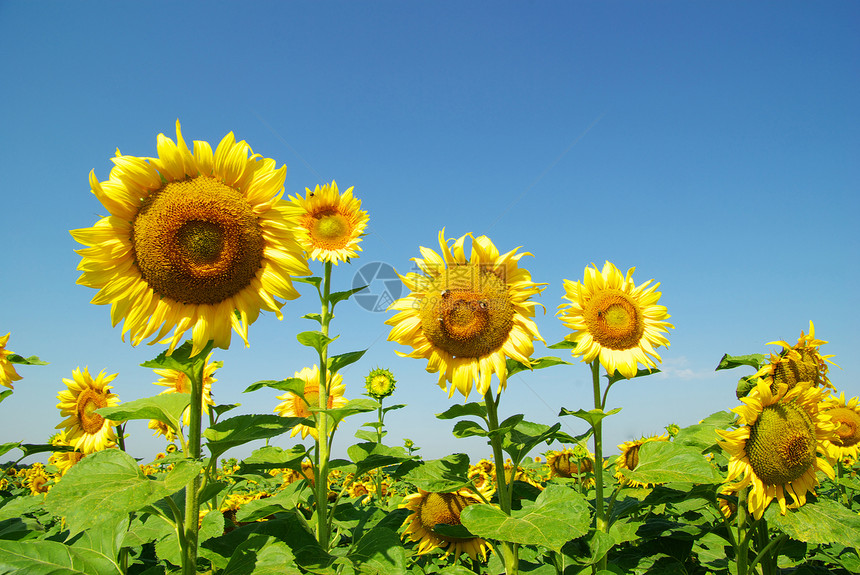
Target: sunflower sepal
<point x="592" y="416"/>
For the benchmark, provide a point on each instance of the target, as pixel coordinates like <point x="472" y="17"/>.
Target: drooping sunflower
<point x="86" y="430"/>
<point x="7" y="370"/>
<point x="63" y="460"/>
<point x="629" y="458"/>
<point x="615" y="320"/>
<point x="294" y="406"/>
<point x="379" y="383"/>
<point x="846" y="415"/>
<point x="330" y="224"/>
<point x="800" y="362"/>
<point x="197" y="241"/>
<point x="466" y="316"/>
<point x="177" y="382"/>
<point x="775" y="449"/>
<point x="575" y="463"/>
<point x="431" y="509"/>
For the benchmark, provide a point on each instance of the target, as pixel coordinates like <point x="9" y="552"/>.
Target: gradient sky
<point x="713" y="146"/>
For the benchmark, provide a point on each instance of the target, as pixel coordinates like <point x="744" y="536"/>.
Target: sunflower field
<point x="199" y="241"/>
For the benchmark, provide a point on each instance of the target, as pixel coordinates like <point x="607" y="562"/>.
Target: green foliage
<point x="438" y="475"/>
<point x="180" y="360"/>
<point x="315" y="339"/>
<point x="293" y="384"/>
<point x="32" y="360"/>
<point x="822" y="522"/>
<point x="167" y="408"/>
<point x="755" y="360"/>
<point x="241" y="429"/>
<point x="592" y="416"/>
<point x="667" y="461"/>
<point x="53" y="558"/>
<point x="338" y="362"/>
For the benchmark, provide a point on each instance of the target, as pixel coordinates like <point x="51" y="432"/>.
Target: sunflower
<point x="197" y="241"/>
<point x="63" y="460"/>
<point x="575" y="463"/>
<point x="177" y="382"/>
<point x="361" y="490"/>
<point x="7" y="370"/>
<point x="614" y="320"/>
<point x="379" y="383"/>
<point x="294" y="406"/>
<point x="432" y="509"/>
<point x="86" y="430"/>
<point x="629" y="458"/>
<point x="467" y="316"/>
<point x="482" y="480"/>
<point x="799" y="362"/>
<point x="846" y="440"/>
<point x="775" y="448"/>
<point x="161" y="428"/>
<point x="330" y="225"/>
<point x="37" y="480"/>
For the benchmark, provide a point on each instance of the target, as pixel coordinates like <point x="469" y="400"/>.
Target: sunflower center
<point x="467" y="311"/>
<point x="442" y="508"/>
<point x="790" y="371"/>
<point x="781" y="445"/>
<point x="197" y="241"/>
<point x="567" y="465"/>
<point x="631" y="457"/>
<point x="614" y="320"/>
<point x="329" y="229"/>
<point x="88" y="402"/>
<point x="380" y="385"/>
<point x="848" y="432"/>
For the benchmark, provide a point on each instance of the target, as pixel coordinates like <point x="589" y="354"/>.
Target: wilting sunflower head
<point x="431" y="509"/>
<point x="799" y="362"/>
<point x="329" y="224"/>
<point x="629" y="458"/>
<point x="85" y="429"/>
<point x="846" y="416"/>
<point x="467" y="315"/>
<point x="776" y="447"/>
<point x="7" y="370"/>
<point x="297" y="406"/>
<point x="571" y="463"/>
<point x="194" y="240"/>
<point x="614" y="320"/>
<point x="379" y="383"/>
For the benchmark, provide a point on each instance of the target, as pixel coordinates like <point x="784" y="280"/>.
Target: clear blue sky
<point x="714" y="146"/>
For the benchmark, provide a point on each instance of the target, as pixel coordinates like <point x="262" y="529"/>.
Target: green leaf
<point x="340" y="296"/>
<point x="4" y="394"/>
<point x="6" y="447"/>
<point x="821" y="523"/>
<point x="558" y="515"/>
<point x="592" y="416"/>
<point x="393" y="407"/>
<point x="105" y="538"/>
<point x="293" y="384"/>
<point x="313" y="316"/>
<point x="284" y="500"/>
<point x="755" y="361"/>
<point x="369" y="456"/>
<point x="563" y="344"/>
<point x="379" y="552"/>
<point x="224" y="408"/>
<point x="53" y="558"/>
<point x="469" y="428"/>
<point x="33" y="448"/>
<point x="167" y="408"/>
<point x="179" y="360"/>
<point x="457" y="410"/>
<point x="182" y="473"/>
<point x="439" y="475"/>
<point x="703" y="435"/>
<point x="745" y="385"/>
<point x="315" y="339"/>
<point x="616" y="377"/>
<point x="515" y="366"/>
<point x="313" y="280"/>
<point x="273" y="457"/>
<point x="338" y="362"/>
<point x="365" y="435"/>
<point x="352" y="407"/>
<point x="261" y="555"/>
<point x="241" y="429"/>
<point x="32" y="360"/>
<point x="667" y="461"/>
<point x="525" y="436"/>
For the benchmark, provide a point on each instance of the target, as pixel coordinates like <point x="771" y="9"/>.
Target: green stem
<point x="323" y="450"/>
<point x="509" y="551"/>
<point x="378" y="477"/>
<point x="120" y="436"/>
<point x="599" y="512"/>
<point x="742" y="550"/>
<point x="772" y="550"/>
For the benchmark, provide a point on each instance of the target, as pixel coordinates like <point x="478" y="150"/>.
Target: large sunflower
<point x="294" y="406"/>
<point x="846" y="439"/>
<point x="775" y="448"/>
<point x="197" y="241"/>
<point x="432" y="509"/>
<point x="629" y="458"/>
<point x="466" y="316"/>
<point x="86" y="430"/>
<point x="7" y="370"/>
<point x="799" y="362"/>
<point x="177" y="382"/>
<point x="330" y="224"/>
<point x="615" y="320"/>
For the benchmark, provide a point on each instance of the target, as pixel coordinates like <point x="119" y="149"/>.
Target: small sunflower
<point x="195" y="241"/>
<point x="432" y="509"/>
<point x="629" y="458"/>
<point x="161" y="428"/>
<point x="7" y="370"/>
<point x="466" y="316"/>
<point x="379" y="383"/>
<point x="846" y="440"/>
<point x="63" y="460"/>
<point x="86" y="430"/>
<point x="330" y="225"/>
<point x="294" y="406"/>
<point x="615" y="320"/>
<point x="775" y="448"/>
<point x="177" y="382"/>
<point x="482" y="480"/>
<point x="799" y="362"/>
<point x="361" y="490"/>
<point x="37" y="480"/>
<point x="575" y="463"/>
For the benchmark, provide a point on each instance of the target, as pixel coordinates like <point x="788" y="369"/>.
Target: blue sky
<point x="713" y="146"/>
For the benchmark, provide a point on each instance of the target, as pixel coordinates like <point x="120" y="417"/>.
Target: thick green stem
<point x="509" y="551"/>
<point x="323" y="447"/>
<point x="742" y="550"/>
<point x="380" y="416"/>
<point x="599" y="512"/>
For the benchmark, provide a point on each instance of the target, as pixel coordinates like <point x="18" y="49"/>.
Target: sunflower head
<point x="799" y="362"/>
<point x="7" y="370"/>
<point x="299" y="405"/>
<point x="846" y="416"/>
<point x="571" y="463"/>
<point x="379" y="383"/>
<point x="195" y="240"/>
<point x="85" y="429"/>
<point x="329" y="224"/>
<point x="629" y="458"/>
<point x="431" y="509"/>
<point x="614" y="320"/>
<point x="467" y="315"/>
<point x="63" y="460"/>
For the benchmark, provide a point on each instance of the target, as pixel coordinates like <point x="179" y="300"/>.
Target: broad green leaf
<point x="821" y="523"/>
<point x="667" y="461"/>
<point x="468" y="428"/>
<point x="105" y="538"/>
<point x="755" y="361"/>
<point x="439" y="475"/>
<point x="703" y="435"/>
<point x="293" y="384"/>
<point x="338" y="362"/>
<point x="273" y="457"/>
<point x="558" y="515"/>
<point x="145" y="529"/>
<point x="592" y="416"/>
<point x="284" y="500"/>
<point x="315" y="339"/>
<point x="340" y="296"/>
<point x="352" y="407"/>
<point x="365" y="435"/>
<point x="6" y="447"/>
<point x="261" y="555"/>
<point x="224" y="408"/>
<point x="369" y="456"/>
<point x="616" y="377"/>
<point x="379" y="552"/>
<point x="457" y="410"/>
<point x="525" y="436"/>
<point x="53" y="558"/>
<point x="32" y="360"/>
<point x="4" y="394"/>
<point x="167" y="408"/>
<point x="182" y="473"/>
<point x="180" y="360"/>
<point x="16" y="507"/>
<point x="241" y="429"/>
